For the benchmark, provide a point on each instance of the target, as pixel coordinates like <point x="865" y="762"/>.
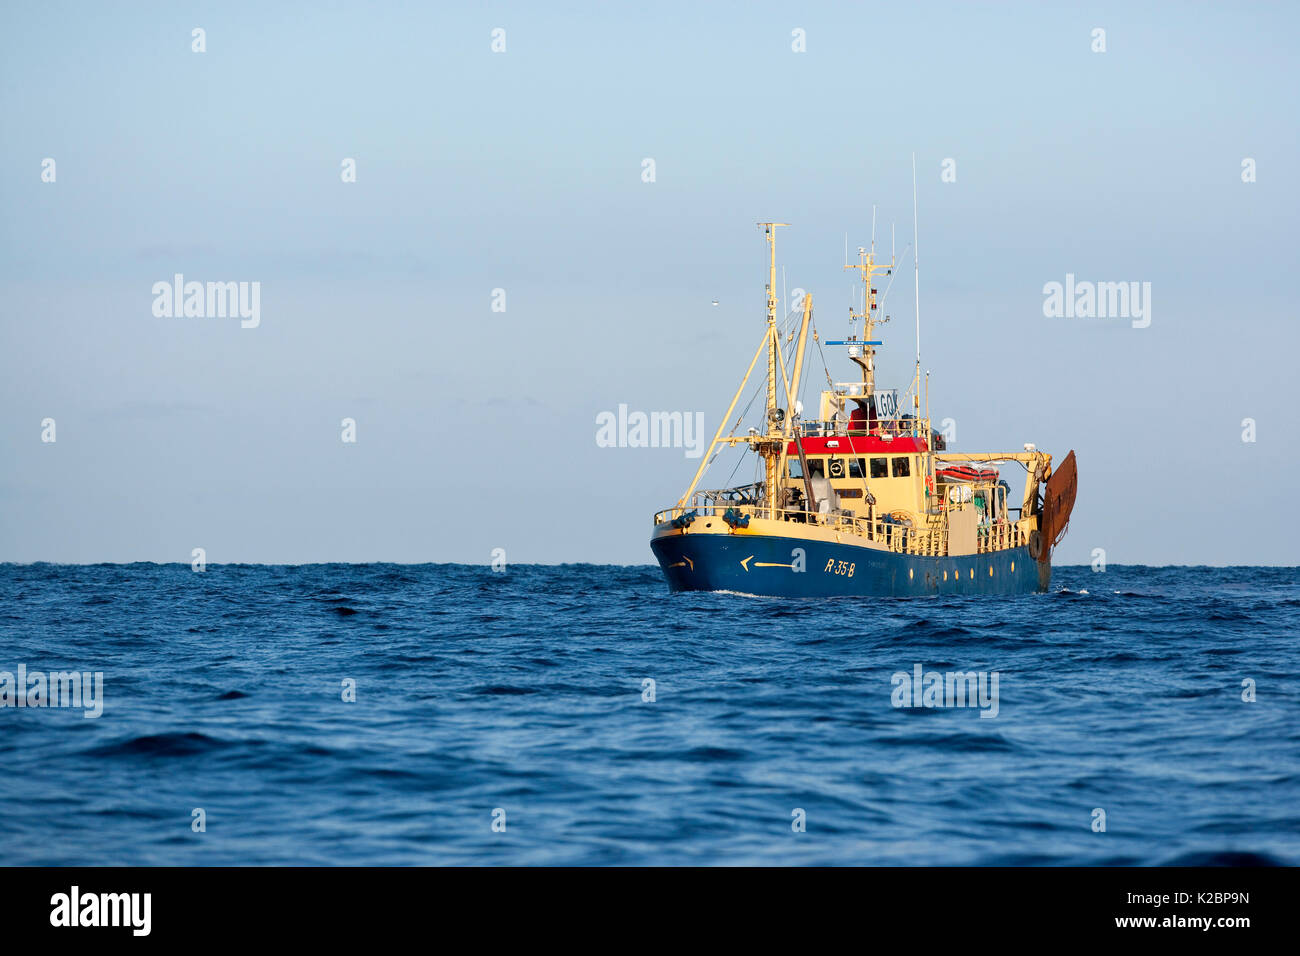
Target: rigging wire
<point x="788" y="348"/>
<point x="825" y="367"/>
<point x="893" y="274"/>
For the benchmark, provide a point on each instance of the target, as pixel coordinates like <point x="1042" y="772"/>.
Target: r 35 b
<point x="839" y="567"/>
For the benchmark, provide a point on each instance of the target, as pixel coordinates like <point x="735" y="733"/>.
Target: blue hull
<point x="754" y="564"/>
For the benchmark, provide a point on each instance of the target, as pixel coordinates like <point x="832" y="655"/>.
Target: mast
<point x="916" y="272"/>
<point x="775" y="424"/>
<point x="769" y="233"/>
<point x="869" y="268"/>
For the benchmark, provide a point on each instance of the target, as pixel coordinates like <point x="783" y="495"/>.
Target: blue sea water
<point x="523" y="692"/>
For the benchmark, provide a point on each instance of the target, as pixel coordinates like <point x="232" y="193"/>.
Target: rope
<point x="825" y="367"/>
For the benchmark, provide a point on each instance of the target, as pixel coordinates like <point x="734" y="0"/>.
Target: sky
<point x="524" y="170"/>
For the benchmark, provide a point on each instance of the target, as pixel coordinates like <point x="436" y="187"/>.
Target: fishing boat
<point x="865" y="498"/>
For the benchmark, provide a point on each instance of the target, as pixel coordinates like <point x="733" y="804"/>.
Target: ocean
<point x="581" y="715"/>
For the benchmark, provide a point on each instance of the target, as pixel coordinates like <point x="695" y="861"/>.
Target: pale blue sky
<point x="522" y="171"/>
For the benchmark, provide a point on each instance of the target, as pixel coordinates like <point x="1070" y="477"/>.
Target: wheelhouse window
<point x="837" y="467"/>
<point x="816" y="468"/>
<point x="901" y="467"/>
<point x="880" y="468"/>
<point x="796" y="468"/>
<point x="856" y="467"/>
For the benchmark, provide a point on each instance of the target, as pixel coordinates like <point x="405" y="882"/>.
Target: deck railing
<point x="895" y="536"/>
<point x="896" y="427"/>
<point x="998" y="536"/>
<point x="927" y="540"/>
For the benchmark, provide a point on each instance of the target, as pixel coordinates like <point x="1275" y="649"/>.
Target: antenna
<point x="916" y="271"/>
<point x="873" y="229"/>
